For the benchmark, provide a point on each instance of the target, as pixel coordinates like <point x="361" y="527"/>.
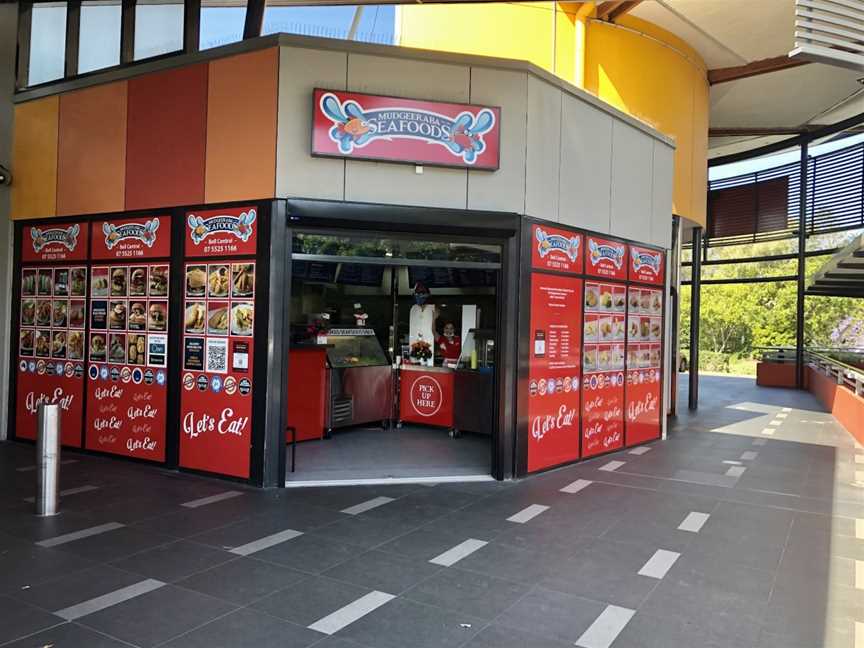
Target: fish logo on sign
<point x="599" y="251"/>
<point x="547" y="243"/>
<point x="144" y="232"/>
<point x="67" y="237"/>
<point x="645" y="260"/>
<point x="354" y="127"/>
<point x="239" y="226"/>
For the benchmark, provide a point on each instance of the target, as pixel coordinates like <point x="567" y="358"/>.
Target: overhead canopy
<point x="843" y="274"/>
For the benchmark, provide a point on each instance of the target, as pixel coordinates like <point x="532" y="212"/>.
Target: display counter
<point x="426" y="395"/>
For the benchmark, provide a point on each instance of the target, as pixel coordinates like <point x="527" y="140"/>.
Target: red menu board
<point x="375" y="127"/>
<point x="553" y="248"/>
<point x="646" y="265"/>
<point x="232" y="231"/>
<point x="54" y="243"/>
<point x="128" y="353"/>
<point x="51" y="347"/>
<point x="603" y="368"/>
<point x="553" y="370"/>
<point x="216" y="397"/>
<point x="605" y="258"/>
<point x="132" y="238"/>
<point x="644" y="362"/>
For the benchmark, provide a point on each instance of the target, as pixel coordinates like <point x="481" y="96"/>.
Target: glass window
<point x="158" y="28"/>
<point x="221" y="23"/>
<point x="47" y="42"/>
<point x="377" y="22"/>
<point x="99" y="40"/>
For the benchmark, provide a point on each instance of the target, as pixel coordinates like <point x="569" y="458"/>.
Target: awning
<point x="843" y="274"/>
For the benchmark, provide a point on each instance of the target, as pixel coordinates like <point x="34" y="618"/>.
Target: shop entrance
<point x="392" y="357"/>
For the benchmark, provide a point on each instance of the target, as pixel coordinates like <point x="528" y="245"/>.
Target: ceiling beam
<point x="754" y="68"/>
<point x="614" y="9"/>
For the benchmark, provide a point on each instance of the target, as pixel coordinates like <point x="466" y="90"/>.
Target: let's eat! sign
<point x="392" y="129"/>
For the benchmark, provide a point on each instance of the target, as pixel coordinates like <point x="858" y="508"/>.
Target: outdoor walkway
<point x="742" y="530"/>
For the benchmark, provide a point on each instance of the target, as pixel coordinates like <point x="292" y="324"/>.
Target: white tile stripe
<point x="78" y="535"/>
<point x="612" y="466"/>
<point x="735" y="471"/>
<point x="107" y="600"/>
<point x="731" y="463"/>
<point x="859" y="574"/>
<point x="768" y="431"/>
<point x="368" y="505"/>
<point x="859" y="634"/>
<point x="576" y="486"/>
<point x="266" y="542"/>
<point x="759" y="442"/>
<point x="782" y="414"/>
<point x="218" y="497"/>
<point x="694" y="522"/>
<point x="641" y="450"/>
<point x="65" y="462"/>
<point x="859" y="528"/>
<point x="786" y="409"/>
<point x="749" y="455"/>
<point x="69" y="491"/>
<point x="347" y="615"/>
<point x="660" y="563"/>
<point x="775" y="422"/>
<point x="606" y="627"/>
<point x="528" y="513"/>
<point x="457" y="553"/>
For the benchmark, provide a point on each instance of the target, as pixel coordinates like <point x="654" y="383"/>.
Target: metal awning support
<point x="843" y="274"/>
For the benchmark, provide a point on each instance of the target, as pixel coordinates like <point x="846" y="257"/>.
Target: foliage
<point x="714" y="361"/>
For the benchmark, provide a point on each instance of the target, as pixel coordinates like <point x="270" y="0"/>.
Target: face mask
<point x="420" y="298"/>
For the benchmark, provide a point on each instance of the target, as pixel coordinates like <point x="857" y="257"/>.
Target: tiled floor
<point x="670" y="548"/>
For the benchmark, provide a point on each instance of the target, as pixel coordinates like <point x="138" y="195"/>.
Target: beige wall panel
<point x="632" y="160"/>
<point x="543" y="150"/>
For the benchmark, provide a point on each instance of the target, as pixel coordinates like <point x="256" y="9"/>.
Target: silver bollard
<point x="48" y="459"/>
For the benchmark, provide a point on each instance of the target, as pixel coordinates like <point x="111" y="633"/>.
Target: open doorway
<point x="392" y="359"/>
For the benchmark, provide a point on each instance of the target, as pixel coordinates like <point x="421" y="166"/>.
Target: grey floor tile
<point x="68" y="635"/>
<point x="156" y="617"/>
<point x="552" y="615"/>
<point x="382" y="571"/>
<point x="309" y="600"/>
<point x="242" y="581"/>
<point x="460" y="591"/>
<point x="235" y="535"/>
<point x="309" y="553"/>
<point x="115" y="544"/>
<point x="77" y="587"/>
<point x="495" y="636"/>
<point x="172" y="562"/>
<point x="247" y="629"/>
<point x="18" y="619"/>
<point x="425" y="543"/>
<point x="363" y="531"/>
<point x="510" y="563"/>
<point x="651" y="632"/>
<point x="31" y="565"/>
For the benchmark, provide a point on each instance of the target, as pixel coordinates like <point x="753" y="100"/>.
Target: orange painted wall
<point x="844" y="405"/>
<point x="91" y="160"/>
<point x="775" y="374"/>
<point x="34" y="156"/>
<point x="241" y="127"/>
<point x="166" y="138"/>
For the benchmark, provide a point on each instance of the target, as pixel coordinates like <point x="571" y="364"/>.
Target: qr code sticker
<point x="216" y="356"/>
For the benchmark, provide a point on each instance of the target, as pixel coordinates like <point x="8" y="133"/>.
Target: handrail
<point x="844" y="374"/>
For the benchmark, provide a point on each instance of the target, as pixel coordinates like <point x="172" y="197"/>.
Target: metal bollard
<point x="48" y="459"/>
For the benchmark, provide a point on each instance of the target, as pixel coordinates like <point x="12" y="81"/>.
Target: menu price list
<point x="219" y="312"/>
<point x="128" y="352"/>
<point x="644" y="362"/>
<point x="51" y="348"/>
<point x="554" y="376"/>
<point x="604" y="335"/>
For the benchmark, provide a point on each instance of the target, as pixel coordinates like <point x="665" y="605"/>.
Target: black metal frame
<point x="695" y="296"/>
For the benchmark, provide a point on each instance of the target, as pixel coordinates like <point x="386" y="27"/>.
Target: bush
<point x="714" y="361"/>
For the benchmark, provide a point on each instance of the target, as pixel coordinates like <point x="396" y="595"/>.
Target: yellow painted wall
<point x="664" y="86"/>
<point x="34" y="155"/>
<point x="522" y="31"/>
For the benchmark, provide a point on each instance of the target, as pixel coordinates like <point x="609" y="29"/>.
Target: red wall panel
<point x="167" y="128"/>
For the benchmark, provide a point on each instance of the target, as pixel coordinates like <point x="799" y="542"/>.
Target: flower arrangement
<point x="421" y="351"/>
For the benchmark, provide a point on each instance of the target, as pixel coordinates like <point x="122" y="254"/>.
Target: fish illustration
<point x="351" y="128"/>
<point x="466" y="137"/>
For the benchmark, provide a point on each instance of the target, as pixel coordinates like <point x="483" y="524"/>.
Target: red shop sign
<point x="132" y="238"/>
<point x="646" y="265"/>
<point x="66" y="242"/>
<point x="222" y="232"/>
<point x="553" y="248"/>
<point x="375" y="127"/>
<point x="643" y="405"/>
<point x="605" y="258"/>
<point x="50" y="382"/>
<point x="554" y="370"/>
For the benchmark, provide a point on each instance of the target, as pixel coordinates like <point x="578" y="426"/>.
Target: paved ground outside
<point x="744" y="529"/>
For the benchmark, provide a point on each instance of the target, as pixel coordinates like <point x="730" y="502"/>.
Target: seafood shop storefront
<point x="458" y="272"/>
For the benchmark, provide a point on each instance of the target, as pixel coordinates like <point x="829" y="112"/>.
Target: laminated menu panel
<point x="165" y="151"/>
<point x="34" y="158"/>
<point x="91" y="158"/>
<point x="241" y="127"/>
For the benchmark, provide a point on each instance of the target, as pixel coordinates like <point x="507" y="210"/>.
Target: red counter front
<point x="307" y="393"/>
<point x="426" y="396"/>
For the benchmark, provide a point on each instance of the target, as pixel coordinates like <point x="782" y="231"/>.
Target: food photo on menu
<point x="117" y="315"/>
<point x="137" y="348"/>
<point x="644" y="327"/>
<point x="654" y="333"/>
<point x="43" y="312"/>
<point x="620" y="299"/>
<point x="157" y="316"/>
<point x="592" y="296"/>
<point x="654" y="356"/>
<point x="159" y="281"/>
<point x="137" y="281"/>
<point x="25" y="343"/>
<point x="43" y="344"/>
<point x="61" y="282"/>
<point x="97" y="347"/>
<point x="634" y="300"/>
<point x="633" y="328"/>
<point x="196" y="281"/>
<point x="242" y="319"/>
<point x="99" y="283"/>
<point x="656" y="302"/>
<point x="606" y="297"/>
<point x="217" y="318"/>
<point x="77" y="313"/>
<point x="75" y="345"/>
<point x="195" y="315"/>
<point x="243" y="280"/>
<point x="45" y="283"/>
<point x="28" y="282"/>
<point x="58" y="317"/>
<point x="58" y="344"/>
<point x="591" y="329"/>
<point x="218" y="280"/>
<point x="119" y="281"/>
<point x="28" y="312"/>
<point x="137" y="316"/>
<point x="605" y="328"/>
<point x="78" y="282"/>
<point x="589" y="359"/>
<point x="117" y="347"/>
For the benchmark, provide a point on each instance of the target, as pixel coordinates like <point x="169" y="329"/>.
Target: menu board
<point x="644" y="362"/>
<point x="605" y="258"/>
<point x="232" y="231"/>
<point x="555" y="249"/>
<point x="603" y="367"/>
<point x="216" y="398"/>
<point x="553" y="370"/>
<point x="54" y="243"/>
<point x="51" y="345"/>
<point x="132" y="238"/>
<point x="646" y="265"/>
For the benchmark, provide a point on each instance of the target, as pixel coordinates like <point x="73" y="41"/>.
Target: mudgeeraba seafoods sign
<point x="391" y="129"/>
